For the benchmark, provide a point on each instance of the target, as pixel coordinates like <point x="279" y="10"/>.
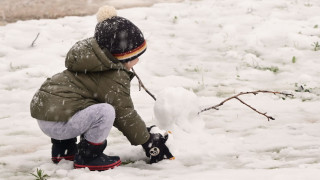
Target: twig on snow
<point x="243" y="93"/>
<point x="142" y="85"/>
<point x="32" y="44"/>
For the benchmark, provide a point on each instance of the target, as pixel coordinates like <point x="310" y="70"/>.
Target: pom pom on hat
<point x="106" y="12"/>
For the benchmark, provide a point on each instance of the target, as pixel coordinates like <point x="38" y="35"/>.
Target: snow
<point x="177" y="108"/>
<point x="199" y="53"/>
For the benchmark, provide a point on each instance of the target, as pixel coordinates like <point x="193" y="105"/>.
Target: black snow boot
<point x="91" y="155"/>
<point x="63" y="149"/>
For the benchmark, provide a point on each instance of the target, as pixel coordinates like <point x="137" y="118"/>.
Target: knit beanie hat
<point x="118" y="35"/>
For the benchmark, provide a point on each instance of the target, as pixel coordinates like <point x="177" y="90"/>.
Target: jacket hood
<point x="87" y="56"/>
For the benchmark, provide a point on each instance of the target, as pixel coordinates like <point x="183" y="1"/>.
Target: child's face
<point x="130" y="64"/>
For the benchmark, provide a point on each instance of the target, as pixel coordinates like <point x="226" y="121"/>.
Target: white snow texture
<point x="199" y="53"/>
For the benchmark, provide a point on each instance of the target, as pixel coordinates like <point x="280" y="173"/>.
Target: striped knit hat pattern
<point x="118" y="35"/>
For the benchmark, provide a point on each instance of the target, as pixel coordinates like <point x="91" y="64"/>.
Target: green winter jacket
<point x="93" y="76"/>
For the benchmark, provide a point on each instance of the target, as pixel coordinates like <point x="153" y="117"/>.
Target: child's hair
<point x="118" y="35"/>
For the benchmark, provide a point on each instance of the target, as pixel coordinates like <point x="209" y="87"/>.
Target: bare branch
<point x="243" y="93"/>
<point x="142" y="85"/>
<point x="32" y="44"/>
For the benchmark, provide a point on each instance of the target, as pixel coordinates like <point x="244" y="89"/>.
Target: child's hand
<point x="156" y="148"/>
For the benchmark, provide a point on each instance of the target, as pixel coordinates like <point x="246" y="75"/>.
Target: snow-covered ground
<point x="199" y="53"/>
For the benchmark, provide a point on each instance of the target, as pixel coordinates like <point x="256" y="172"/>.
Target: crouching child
<point x="93" y="94"/>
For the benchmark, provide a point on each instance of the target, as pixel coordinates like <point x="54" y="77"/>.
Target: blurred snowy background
<point x="199" y="53"/>
<point x="13" y="10"/>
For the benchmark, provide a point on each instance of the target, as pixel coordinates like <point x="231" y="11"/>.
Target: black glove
<point x="155" y="147"/>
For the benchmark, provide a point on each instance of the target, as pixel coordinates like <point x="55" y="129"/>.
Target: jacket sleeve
<point x="117" y="93"/>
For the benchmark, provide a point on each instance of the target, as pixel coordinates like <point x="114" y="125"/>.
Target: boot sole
<point x="98" y="168"/>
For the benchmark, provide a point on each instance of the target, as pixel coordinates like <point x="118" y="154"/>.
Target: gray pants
<point x="94" y="122"/>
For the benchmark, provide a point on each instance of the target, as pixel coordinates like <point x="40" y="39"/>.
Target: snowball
<point x="106" y="12"/>
<point x="177" y="107"/>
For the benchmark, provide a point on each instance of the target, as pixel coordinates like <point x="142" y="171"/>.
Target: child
<point x="93" y="94"/>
